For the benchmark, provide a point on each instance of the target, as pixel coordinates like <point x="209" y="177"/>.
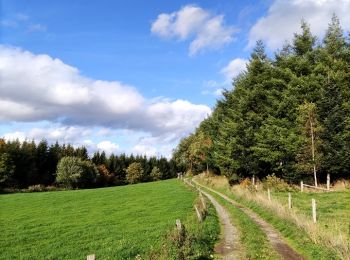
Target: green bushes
<point x="156" y="174"/>
<point x="74" y="172"/>
<point x="195" y="241"/>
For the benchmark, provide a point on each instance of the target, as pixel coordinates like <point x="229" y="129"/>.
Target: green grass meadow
<point x="333" y="208"/>
<point x="113" y="223"/>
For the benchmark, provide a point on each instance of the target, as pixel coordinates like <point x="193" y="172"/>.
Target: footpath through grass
<point x="113" y="223"/>
<point x="297" y="237"/>
<point x="252" y="238"/>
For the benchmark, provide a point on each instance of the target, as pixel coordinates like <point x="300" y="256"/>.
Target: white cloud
<point x="39" y="88"/>
<point x="177" y="116"/>
<point x="230" y="71"/>
<point x="206" y="30"/>
<point x="218" y="92"/>
<point x="144" y="150"/>
<point x="63" y="134"/>
<point x="234" y="68"/>
<point x="36" y="27"/>
<point x="21" y="136"/>
<point x="108" y="147"/>
<point x="284" y="16"/>
<point x="21" y="17"/>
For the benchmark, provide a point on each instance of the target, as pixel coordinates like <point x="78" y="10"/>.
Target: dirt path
<point x="229" y="246"/>
<point x="276" y="240"/>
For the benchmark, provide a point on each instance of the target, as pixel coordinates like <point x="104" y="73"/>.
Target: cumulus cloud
<point x="207" y="31"/>
<point x="37" y="87"/>
<point x="284" y="16"/>
<point x="108" y="147"/>
<point x="63" y="134"/>
<point x="147" y="150"/>
<point x="234" y="68"/>
<point x="230" y="71"/>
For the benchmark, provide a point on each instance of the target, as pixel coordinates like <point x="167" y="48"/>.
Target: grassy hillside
<point x="113" y="223"/>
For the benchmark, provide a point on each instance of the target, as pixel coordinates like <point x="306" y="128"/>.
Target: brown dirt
<point x="275" y="238"/>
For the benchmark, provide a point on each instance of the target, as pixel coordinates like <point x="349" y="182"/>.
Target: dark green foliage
<point x="24" y="164"/>
<point x="257" y="128"/>
<point x="6" y="169"/>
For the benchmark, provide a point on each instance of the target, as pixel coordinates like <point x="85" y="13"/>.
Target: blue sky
<point x="111" y="40"/>
<point x="154" y="67"/>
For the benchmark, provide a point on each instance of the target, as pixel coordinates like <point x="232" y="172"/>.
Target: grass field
<point x="333" y="208"/>
<point x="113" y="223"/>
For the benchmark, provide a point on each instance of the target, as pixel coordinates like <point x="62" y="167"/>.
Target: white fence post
<point x="178" y="225"/>
<point x="90" y="257"/>
<point x="313" y="203"/>
<point x="301" y="186"/>
<point x="328" y="181"/>
<point x="269" y="194"/>
<point x="289" y="200"/>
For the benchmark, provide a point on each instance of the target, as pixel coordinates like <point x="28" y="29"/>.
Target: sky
<point x="133" y="76"/>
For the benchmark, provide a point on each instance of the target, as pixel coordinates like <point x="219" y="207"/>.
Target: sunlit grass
<point x="113" y="223"/>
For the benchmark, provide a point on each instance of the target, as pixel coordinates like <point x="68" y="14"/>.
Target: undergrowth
<point x="195" y="241"/>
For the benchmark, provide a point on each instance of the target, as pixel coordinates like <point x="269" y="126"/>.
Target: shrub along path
<point x="275" y="238"/>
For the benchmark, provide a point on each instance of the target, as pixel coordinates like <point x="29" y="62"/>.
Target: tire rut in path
<point x="276" y="240"/>
<point x="229" y="246"/>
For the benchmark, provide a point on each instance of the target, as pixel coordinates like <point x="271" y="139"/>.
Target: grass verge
<point x="198" y="241"/>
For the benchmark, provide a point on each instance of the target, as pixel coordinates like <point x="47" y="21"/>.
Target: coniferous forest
<point x="24" y="164"/>
<point x="287" y="115"/>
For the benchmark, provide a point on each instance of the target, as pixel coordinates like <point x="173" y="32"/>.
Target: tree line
<point x="23" y="164"/>
<point x="288" y="115"/>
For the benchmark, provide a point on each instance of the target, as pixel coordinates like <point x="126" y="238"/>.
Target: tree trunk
<point x="313" y="151"/>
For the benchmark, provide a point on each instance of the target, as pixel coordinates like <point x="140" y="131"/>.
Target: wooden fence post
<point x="199" y="215"/>
<point x="301" y="186"/>
<point x="313" y="203"/>
<point x="253" y="180"/>
<point x="182" y="232"/>
<point x="90" y="257"/>
<point x="289" y="200"/>
<point x="269" y="194"/>
<point x="328" y="181"/>
<point x="202" y="200"/>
